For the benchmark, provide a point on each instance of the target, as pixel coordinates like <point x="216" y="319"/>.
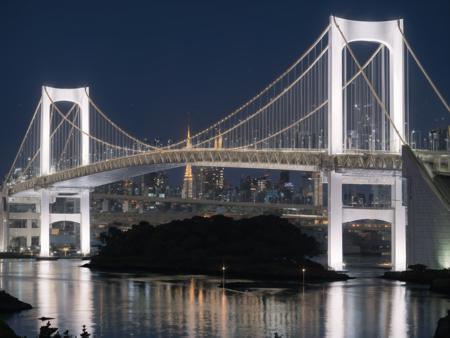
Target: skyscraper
<point x="155" y="184"/>
<point x="209" y="182"/>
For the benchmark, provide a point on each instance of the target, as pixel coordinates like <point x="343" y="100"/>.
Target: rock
<point x="441" y="285"/>
<point x="9" y="303"/>
<point x="443" y="328"/>
<point x="6" y="331"/>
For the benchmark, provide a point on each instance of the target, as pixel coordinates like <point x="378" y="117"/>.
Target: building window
<point x="35" y="241"/>
<point x="18" y="224"/>
<point x="22" y="207"/>
<point x="66" y="206"/>
<point x="366" y="196"/>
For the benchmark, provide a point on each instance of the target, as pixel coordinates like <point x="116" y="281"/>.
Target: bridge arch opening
<point x="65" y="135"/>
<point x="367" y="243"/>
<point x="365" y="125"/>
<point x="64" y="237"/>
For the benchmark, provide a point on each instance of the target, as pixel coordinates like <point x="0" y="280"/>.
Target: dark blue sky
<point x="149" y="63"/>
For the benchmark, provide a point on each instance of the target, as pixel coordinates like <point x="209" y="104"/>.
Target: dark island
<point x="263" y="247"/>
<point x="437" y="280"/>
<point x="9" y="303"/>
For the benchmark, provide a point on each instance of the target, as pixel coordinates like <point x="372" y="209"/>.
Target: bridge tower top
<point x="50" y="96"/>
<point x="342" y="32"/>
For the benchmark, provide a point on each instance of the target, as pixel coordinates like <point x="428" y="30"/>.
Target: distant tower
<point x="218" y="141"/>
<point x="187" y="191"/>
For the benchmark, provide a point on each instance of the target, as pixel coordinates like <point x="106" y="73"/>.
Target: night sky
<point x="149" y="65"/>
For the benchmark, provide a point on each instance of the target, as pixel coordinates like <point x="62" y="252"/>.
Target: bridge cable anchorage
<point x="369" y="83"/>
<point x="422" y="69"/>
<point x="83" y="132"/>
<point x="217" y="124"/>
<point x="275" y="99"/>
<point x="286" y="128"/>
<point x="36" y="111"/>
<point x="97" y="108"/>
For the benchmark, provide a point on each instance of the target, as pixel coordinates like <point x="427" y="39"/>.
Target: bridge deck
<point x="104" y="172"/>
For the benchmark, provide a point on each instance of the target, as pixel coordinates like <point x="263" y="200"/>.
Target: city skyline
<point x="169" y="49"/>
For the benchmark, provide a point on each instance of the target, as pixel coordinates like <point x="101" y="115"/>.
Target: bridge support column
<point x="45" y="223"/>
<point x="85" y="224"/>
<point x="398" y="246"/>
<point x="4" y="234"/>
<point x="335" y="260"/>
<point x="3" y="224"/>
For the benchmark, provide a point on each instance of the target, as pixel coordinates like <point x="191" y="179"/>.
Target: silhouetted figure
<point x="66" y="334"/>
<point x="46" y="331"/>
<point x="443" y="328"/>
<point x="84" y="332"/>
<point x="277" y="335"/>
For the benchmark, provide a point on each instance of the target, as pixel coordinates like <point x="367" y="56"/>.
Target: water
<point x="144" y="305"/>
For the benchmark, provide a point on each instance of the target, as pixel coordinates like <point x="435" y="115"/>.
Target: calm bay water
<point x="144" y="305"/>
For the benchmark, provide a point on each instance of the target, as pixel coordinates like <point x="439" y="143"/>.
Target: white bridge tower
<point x="80" y="97"/>
<point x="387" y="33"/>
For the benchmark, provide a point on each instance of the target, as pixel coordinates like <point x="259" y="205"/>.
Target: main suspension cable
<point x="115" y="125"/>
<point x="275" y="99"/>
<point x="300" y="120"/>
<point x="254" y="98"/>
<point x="23" y="141"/>
<point x="38" y="150"/>
<point x="364" y="66"/>
<point x="424" y="72"/>
<point x="82" y="131"/>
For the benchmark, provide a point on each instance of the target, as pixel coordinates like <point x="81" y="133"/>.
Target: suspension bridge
<point x="326" y="113"/>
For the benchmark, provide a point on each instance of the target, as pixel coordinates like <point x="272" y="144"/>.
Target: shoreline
<point x="437" y="280"/>
<point x="261" y="273"/>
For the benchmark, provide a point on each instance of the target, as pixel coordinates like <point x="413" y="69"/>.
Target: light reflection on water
<point x="122" y="305"/>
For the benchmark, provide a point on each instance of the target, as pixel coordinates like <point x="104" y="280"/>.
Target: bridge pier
<point x="3" y="234"/>
<point x="85" y="224"/>
<point x="45" y="223"/>
<point x="3" y="222"/>
<point x="335" y="255"/>
<point x="47" y="218"/>
<point x="398" y="237"/>
<point x="338" y="213"/>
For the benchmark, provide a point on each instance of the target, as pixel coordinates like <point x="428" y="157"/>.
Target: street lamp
<point x="223" y="276"/>
<point x="303" y="276"/>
